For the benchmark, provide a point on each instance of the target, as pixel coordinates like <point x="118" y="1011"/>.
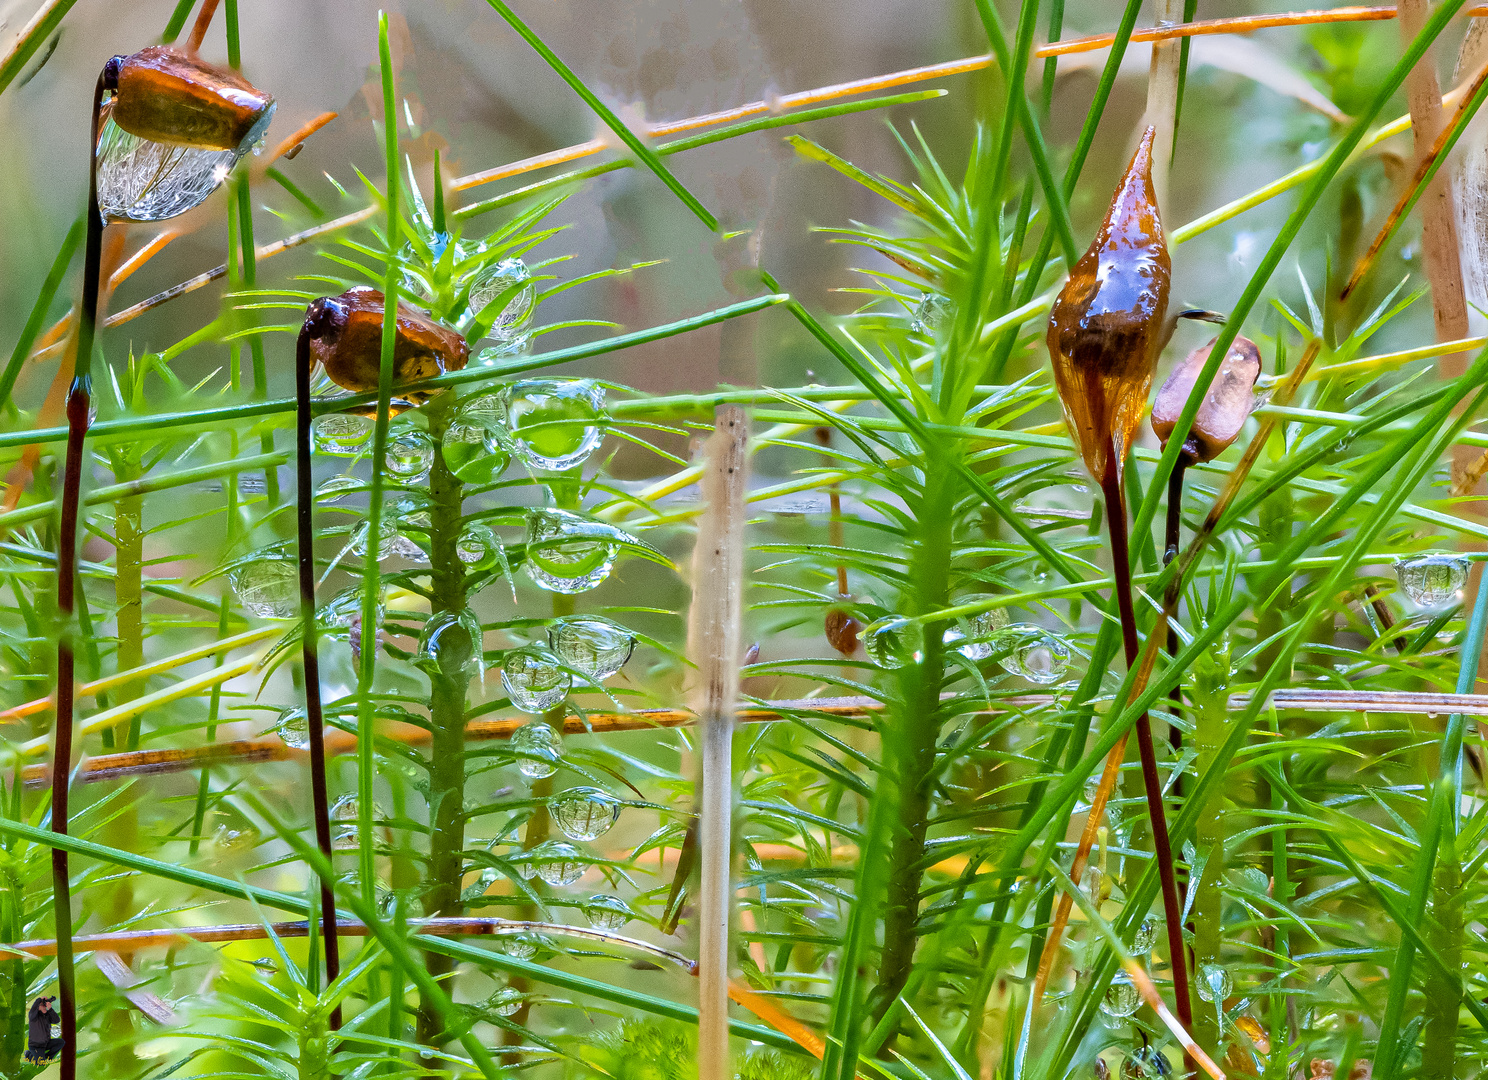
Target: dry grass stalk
<point x="713" y="643"/>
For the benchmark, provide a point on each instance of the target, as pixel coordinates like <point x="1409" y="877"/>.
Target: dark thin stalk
<point x="315" y="722"/>
<point x="1172" y="536"/>
<point x="1162" y="851"/>
<point x="79" y="401"/>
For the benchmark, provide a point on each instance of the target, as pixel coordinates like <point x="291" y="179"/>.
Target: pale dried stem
<point x="713" y="643"/>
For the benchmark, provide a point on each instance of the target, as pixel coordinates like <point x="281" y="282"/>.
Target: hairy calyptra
<point x="1107" y="326"/>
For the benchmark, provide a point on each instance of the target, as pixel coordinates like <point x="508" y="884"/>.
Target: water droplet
<point x="554" y="422"/>
<point x="454" y="643"/>
<point x="404" y="546"/>
<point x="891" y="642"/>
<point x="387" y="537"/>
<point x="1093" y="883"/>
<point x="409" y="456"/>
<point x="1145" y="937"/>
<point x="1214" y="983"/>
<point x="606" y="912"/>
<point x="477" y="546"/>
<point x="341" y="434"/>
<point x="475" y="451"/>
<point x="268" y="587"/>
<point x="232" y="838"/>
<point x="981" y="629"/>
<point x="1145" y="1063"/>
<point x="343" y="613"/>
<point x="1432" y="579"/>
<point x="1038" y="656"/>
<point x="143" y="180"/>
<point x="1122" y="997"/>
<point x="526" y="945"/>
<point x="506" y="1001"/>
<point x="337" y="489"/>
<point x="567" y="553"/>
<point x="596" y="647"/>
<point x="930" y="314"/>
<point x="538" y="749"/>
<point x="559" y="863"/>
<point x="534" y="680"/>
<point x="509" y="328"/>
<point x="1092" y="785"/>
<point x="585" y="813"/>
<point x="345" y="814"/>
<point x="293" y="727"/>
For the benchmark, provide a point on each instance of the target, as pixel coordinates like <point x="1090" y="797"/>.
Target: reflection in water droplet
<point x="981" y="628"/>
<point x="293" y="727"/>
<point x="554" y="422"/>
<point x="409" y="456"/>
<point x="475" y="451"/>
<point x="1036" y="655"/>
<point x="341" y="434"/>
<point x="343" y="614"/>
<point x="345" y="813"/>
<point x="337" y="489"/>
<point x="1145" y="1063"/>
<point x="594" y="646"/>
<point x="476" y="547"/>
<point x="509" y="328"/>
<point x="232" y="838"/>
<point x="892" y="641"/>
<point x="454" y="643"/>
<point x="506" y="1001"/>
<point x="268" y="587"/>
<point x="534" y="680"/>
<point x="387" y="537"/>
<point x="559" y="863"/>
<point x="585" y="813"/>
<point x="930" y="314"/>
<point x="606" y="912"/>
<point x="1122" y="998"/>
<point x="568" y="554"/>
<point x="526" y="945"/>
<point x="1214" y="983"/>
<point x="1146" y="937"/>
<point x="143" y="180"/>
<point x="1433" y="579"/>
<point x="538" y="749"/>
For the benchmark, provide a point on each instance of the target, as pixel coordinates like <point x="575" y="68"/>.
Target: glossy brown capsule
<point x="842" y="631"/>
<point x="1222" y="413"/>
<point x="346" y="340"/>
<point x="169" y="96"/>
<point x="1107" y="325"/>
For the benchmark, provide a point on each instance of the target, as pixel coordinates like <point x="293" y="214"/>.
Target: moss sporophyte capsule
<point x="170" y="96"/>
<point x="345" y="338"/>
<point x="1106" y="327"/>
<point x="1222" y="414"/>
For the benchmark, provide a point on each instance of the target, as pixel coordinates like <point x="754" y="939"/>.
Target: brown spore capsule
<point x="169" y="96"/>
<point x="1105" y="330"/>
<point x="842" y="631"/>
<point x="1222" y="414"/>
<point x="346" y="340"/>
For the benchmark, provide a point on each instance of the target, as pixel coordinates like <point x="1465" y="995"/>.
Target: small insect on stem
<point x="342" y="335"/>
<point x="1105" y="331"/>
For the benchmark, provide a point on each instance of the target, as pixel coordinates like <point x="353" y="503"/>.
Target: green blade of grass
<point x="32" y="329"/>
<point x="32" y="37"/>
<point x="613" y="122"/>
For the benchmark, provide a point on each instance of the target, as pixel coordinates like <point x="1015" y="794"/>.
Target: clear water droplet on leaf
<point x="453" y="643"/>
<point x="1122" y="997"/>
<point x="594" y="646"/>
<point x="293" y="726"/>
<point x="507" y="1001"/>
<point x="585" y="813"/>
<point x="1036" y="655"/>
<point x="409" y="456"/>
<point x="538" y="749"/>
<point x="337" y="489"/>
<point x="554" y="423"/>
<point x="978" y="632"/>
<point x="892" y="641"/>
<point x="567" y="553"/>
<point x="1145" y="1063"/>
<point x="930" y="314"/>
<point x="268" y="587"/>
<point x="606" y="912"/>
<point x="341" y="434"/>
<point x="509" y="327"/>
<point x="559" y="863"/>
<point x="387" y="538"/>
<point x="534" y="680"/>
<point x="143" y="180"/>
<point x="1145" y="937"/>
<point x="1433" y="579"/>
<point x="477" y="547"/>
<point x="1214" y="983"/>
